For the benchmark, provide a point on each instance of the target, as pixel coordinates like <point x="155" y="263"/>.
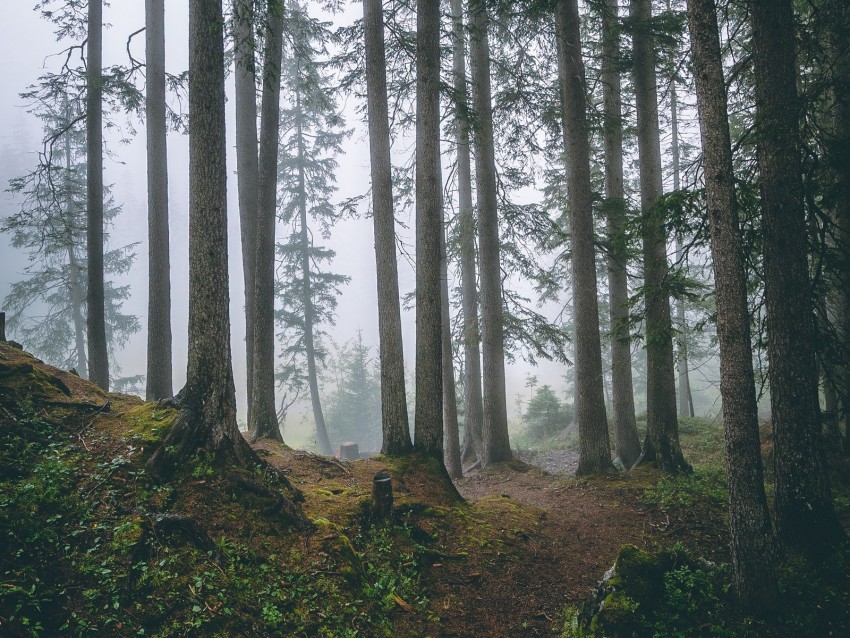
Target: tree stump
<point x="348" y="452"/>
<point x="2" y="326"/>
<point x="382" y="496"/>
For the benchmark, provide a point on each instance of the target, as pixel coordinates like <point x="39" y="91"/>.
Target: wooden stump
<point x="2" y="326"/>
<point x="382" y="496"/>
<point x="348" y="452"/>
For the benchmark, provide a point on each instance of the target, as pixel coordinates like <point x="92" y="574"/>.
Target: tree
<point x="95" y="317"/>
<point x="394" y="420"/>
<point x="313" y="134"/>
<point x="544" y="414"/>
<point x="207" y="417"/>
<point x="626" y="441"/>
<point x="451" y="434"/>
<point x="428" y="424"/>
<point x="804" y="514"/>
<point x="247" y="162"/>
<point x="662" y="436"/>
<point x="594" y="449"/>
<point x="263" y="420"/>
<point x="159" y="384"/>
<point x="473" y="408"/>
<point x="750" y="528"/>
<point x="496" y="443"/>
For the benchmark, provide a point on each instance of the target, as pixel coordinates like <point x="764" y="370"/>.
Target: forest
<point x="474" y="318"/>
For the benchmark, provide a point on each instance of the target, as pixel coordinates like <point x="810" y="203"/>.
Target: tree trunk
<point x="804" y="514"/>
<point x="661" y="444"/>
<point x="473" y="408"/>
<point x="309" y="311"/>
<point x="394" y="421"/>
<point x="626" y="441"/>
<point x="263" y="420"/>
<point x="750" y="529"/>
<point x="96" y="313"/>
<point x="207" y="418"/>
<point x="247" y="164"/>
<point x="451" y="436"/>
<point x="159" y="383"/>
<point x="496" y="442"/>
<point x="428" y="423"/>
<point x="594" y="449"/>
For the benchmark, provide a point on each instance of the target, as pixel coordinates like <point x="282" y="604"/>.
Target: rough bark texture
<point x="804" y="513"/>
<point x="2" y="326"/>
<point x="473" y="408"/>
<point x="247" y="163"/>
<point x="496" y="443"/>
<point x="394" y="421"/>
<point x="159" y="383"/>
<point x="207" y="419"/>
<point x="96" y="313"/>
<point x="451" y="435"/>
<point x="594" y="449"/>
<point x="263" y="420"/>
<point x="626" y="441"/>
<point x="661" y="444"/>
<point x="750" y="528"/>
<point x="428" y="421"/>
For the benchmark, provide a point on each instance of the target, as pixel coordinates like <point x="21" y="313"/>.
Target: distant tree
<point x="594" y="447"/>
<point x="804" y="514"/>
<point x="545" y="415"/>
<point x="313" y="131"/>
<point x="47" y="309"/>
<point x="159" y="384"/>
<point x="394" y="417"/>
<point x="207" y="418"/>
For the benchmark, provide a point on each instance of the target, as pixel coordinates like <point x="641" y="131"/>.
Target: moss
<point x="640" y="574"/>
<point x="149" y="422"/>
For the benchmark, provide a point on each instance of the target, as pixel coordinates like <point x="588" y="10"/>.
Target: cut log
<point x="382" y="496"/>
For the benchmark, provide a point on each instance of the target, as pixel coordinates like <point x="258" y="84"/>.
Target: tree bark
<point x="207" y="418"/>
<point x="451" y="435"/>
<point x="804" y="514"/>
<point x="394" y="421"/>
<point x="247" y="164"/>
<point x="661" y="444"/>
<point x="96" y="313"/>
<point x="594" y="448"/>
<point x="428" y="421"/>
<point x="159" y="382"/>
<point x="626" y="441"/>
<point x="750" y="528"/>
<point x="496" y="442"/>
<point x="263" y="420"/>
<point x="473" y="408"/>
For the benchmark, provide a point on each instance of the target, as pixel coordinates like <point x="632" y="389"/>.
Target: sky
<point x="28" y="48"/>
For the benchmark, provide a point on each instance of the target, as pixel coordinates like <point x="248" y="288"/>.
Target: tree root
<point x="280" y="505"/>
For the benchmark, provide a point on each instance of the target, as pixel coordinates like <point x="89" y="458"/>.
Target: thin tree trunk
<point x="96" y="312"/>
<point x="451" y="436"/>
<point x="394" y="420"/>
<point x="626" y="441"/>
<point x="594" y="449"/>
<point x="263" y="423"/>
<point x="207" y="418"/>
<point x="661" y="444"/>
<point x="77" y="296"/>
<point x="247" y="164"/>
<point x="495" y="437"/>
<point x="159" y="382"/>
<point x="428" y="422"/>
<point x="750" y="529"/>
<point x="804" y="514"/>
<point x="474" y="410"/>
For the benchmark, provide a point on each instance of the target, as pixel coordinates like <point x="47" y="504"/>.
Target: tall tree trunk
<point x="750" y="529"/>
<point x="804" y="513"/>
<point x="626" y="441"/>
<point x="428" y="422"/>
<point x="207" y="418"/>
<point x="451" y="436"/>
<point x="309" y="310"/>
<point x="96" y="312"/>
<point x="263" y="423"/>
<point x="159" y="383"/>
<point x="496" y="441"/>
<point x="594" y="449"/>
<point x="662" y="433"/>
<point x="394" y="420"/>
<point x="247" y="164"/>
<point x="686" y="403"/>
<point x="473" y="408"/>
